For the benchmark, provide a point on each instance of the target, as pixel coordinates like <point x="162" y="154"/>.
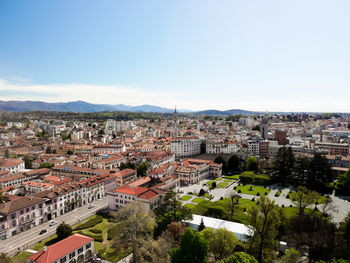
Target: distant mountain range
<point x="82" y="106"/>
<point x="75" y="106"/>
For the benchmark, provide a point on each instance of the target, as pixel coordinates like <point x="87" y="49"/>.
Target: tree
<point x="304" y="198"/>
<point x="239" y="257"/>
<point x="252" y="164"/>
<point x="221" y="160"/>
<point x="142" y="169"/>
<point x="232" y="201"/>
<point x="291" y="256"/>
<point x="201" y="226"/>
<point x="263" y="221"/>
<point x="284" y="164"/>
<point x="344" y="182"/>
<point x="213" y="185"/>
<point x="193" y="248"/>
<point x="136" y="225"/>
<point x="2" y="198"/>
<point x="301" y="168"/>
<point x="63" y="230"/>
<point x="171" y="210"/>
<point x="234" y="163"/>
<point x="320" y="171"/>
<point x="314" y="235"/>
<point x="4" y="258"/>
<point x="48" y="150"/>
<point x="201" y="192"/>
<point x="27" y="162"/>
<point x="46" y="165"/>
<point x="221" y="242"/>
<point x="69" y="152"/>
<point x="7" y="153"/>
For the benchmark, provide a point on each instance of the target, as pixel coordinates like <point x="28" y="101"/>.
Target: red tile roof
<point x="60" y="249"/>
<point x="131" y="190"/>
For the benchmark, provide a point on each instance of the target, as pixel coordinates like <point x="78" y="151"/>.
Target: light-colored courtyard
<point x="189" y="195"/>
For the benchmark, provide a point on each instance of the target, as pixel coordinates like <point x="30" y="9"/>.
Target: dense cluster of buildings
<point x="50" y="167"/>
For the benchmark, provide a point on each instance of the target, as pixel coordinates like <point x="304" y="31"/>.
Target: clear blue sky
<point x="254" y="55"/>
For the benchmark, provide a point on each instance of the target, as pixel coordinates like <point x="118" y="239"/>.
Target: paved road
<point x="28" y="238"/>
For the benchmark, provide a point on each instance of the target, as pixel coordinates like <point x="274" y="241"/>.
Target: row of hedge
<point x="252" y="178"/>
<point x="96" y="237"/>
<point x="90" y="223"/>
<point x="112" y="232"/>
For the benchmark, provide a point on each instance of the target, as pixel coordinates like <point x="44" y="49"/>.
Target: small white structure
<point x="240" y="230"/>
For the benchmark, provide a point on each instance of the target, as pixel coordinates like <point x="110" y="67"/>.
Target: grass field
<point x="222" y="185"/>
<point x="217" y="179"/>
<point x="321" y="200"/>
<point x="256" y="189"/>
<point x="228" y="180"/>
<point x="198" y="200"/>
<point x="190" y="206"/>
<point x="21" y="257"/>
<point x="185" y="198"/>
<point x="235" y="177"/>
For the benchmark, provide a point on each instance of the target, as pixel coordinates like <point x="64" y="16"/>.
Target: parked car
<point x="53" y="222"/>
<point x="43" y="231"/>
<point x="91" y="206"/>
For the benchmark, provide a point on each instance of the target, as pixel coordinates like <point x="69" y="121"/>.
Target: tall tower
<point x="264" y="128"/>
<point x="176" y="133"/>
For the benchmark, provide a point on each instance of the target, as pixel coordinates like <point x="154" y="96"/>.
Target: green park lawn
<point x="190" y="206"/>
<point x="320" y="200"/>
<point x="234" y="177"/>
<point x="255" y="189"/>
<point x="217" y="179"/>
<point x="228" y="180"/>
<point x="185" y="198"/>
<point x="222" y="185"/>
<point x="21" y="257"/>
<point x="210" y="183"/>
<point x="198" y="200"/>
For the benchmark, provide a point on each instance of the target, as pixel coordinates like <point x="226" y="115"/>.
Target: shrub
<point x="258" y="194"/>
<point x="96" y="237"/>
<point x="201" y="192"/>
<point x="282" y="205"/>
<point x="265" y="193"/>
<point x="112" y="232"/>
<point x="90" y="223"/>
<point x="239" y="191"/>
<point x="287" y="196"/>
<point x="290" y="206"/>
<point x="252" y="178"/>
<point x="95" y="231"/>
<point x="253" y="199"/>
<point x="221" y="198"/>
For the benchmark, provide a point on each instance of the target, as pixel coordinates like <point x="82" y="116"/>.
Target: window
<point x="13" y="216"/>
<point x="33" y="215"/>
<point x="22" y="211"/>
<point x="80" y="250"/>
<point x="33" y="207"/>
<point x="72" y="255"/>
<point x="88" y="246"/>
<point x="40" y="205"/>
<point x="64" y="259"/>
<point x="14" y="223"/>
<point x="27" y="209"/>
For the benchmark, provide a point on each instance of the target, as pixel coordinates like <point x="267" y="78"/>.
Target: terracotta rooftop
<point x="60" y="249"/>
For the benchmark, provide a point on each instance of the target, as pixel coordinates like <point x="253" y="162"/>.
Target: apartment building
<point x="184" y="147"/>
<point x="11" y="165"/>
<point x="20" y="215"/>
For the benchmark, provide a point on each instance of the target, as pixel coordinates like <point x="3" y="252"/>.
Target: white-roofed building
<point x="240" y="230"/>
